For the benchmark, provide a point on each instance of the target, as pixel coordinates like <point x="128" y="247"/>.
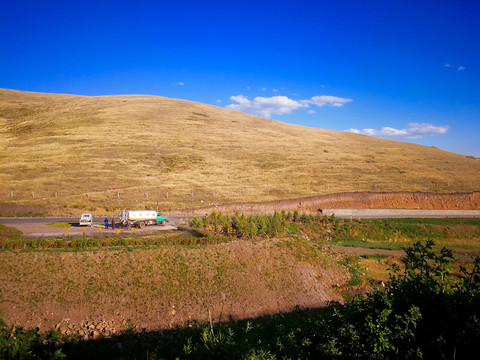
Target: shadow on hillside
<point x="229" y="340"/>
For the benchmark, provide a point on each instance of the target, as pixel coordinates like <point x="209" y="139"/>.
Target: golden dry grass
<point x="121" y="151"/>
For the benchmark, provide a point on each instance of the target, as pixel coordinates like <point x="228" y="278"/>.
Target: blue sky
<point x="398" y="69"/>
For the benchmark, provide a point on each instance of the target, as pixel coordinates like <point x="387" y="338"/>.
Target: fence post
<point x="11" y="194"/>
<point x="33" y="194"/>
<point x="214" y="194"/>
<point x="56" y="194"/>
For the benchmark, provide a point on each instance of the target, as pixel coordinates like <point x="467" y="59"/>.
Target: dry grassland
<point x="130" y="151"/>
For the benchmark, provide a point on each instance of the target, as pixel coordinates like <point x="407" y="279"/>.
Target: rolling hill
<point x="68" y="151"/>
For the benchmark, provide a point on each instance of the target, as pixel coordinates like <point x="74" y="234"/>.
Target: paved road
<point x="38" y="227"/>
<point x="401" y="213"/>
<point x="173" y="220"/>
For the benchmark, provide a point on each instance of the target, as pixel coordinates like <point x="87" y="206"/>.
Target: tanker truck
<point x="140" y="218"/>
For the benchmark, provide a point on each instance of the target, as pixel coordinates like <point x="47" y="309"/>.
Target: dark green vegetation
<point x="192" y="238"/>
<point x="370" y="233"/>
<point x="424" y="312"/>
<point x="394" y="233"/>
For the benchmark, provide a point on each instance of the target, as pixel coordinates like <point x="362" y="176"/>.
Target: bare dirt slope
<point x="400" y="200"/>
<point x="164" y="287"/>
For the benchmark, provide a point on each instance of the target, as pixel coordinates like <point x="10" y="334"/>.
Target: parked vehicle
<point x="141" y="218"/>
<point x="86" y="220"/>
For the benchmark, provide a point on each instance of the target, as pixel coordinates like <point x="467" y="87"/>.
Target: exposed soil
<point x="104" y="291"/>
<point x="363" y="200"/>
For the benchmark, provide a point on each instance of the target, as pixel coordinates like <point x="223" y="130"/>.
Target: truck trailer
<point x="141" y="218"/>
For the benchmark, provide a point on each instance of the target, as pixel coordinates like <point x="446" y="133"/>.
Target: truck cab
<point x="86" y="220"/>
<point x="161" y="219"/>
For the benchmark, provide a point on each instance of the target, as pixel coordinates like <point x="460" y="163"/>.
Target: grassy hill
<point x="121" y="151"/>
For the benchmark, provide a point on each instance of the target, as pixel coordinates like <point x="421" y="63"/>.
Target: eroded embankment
<point x="164" y="287"/>
<point x="366" y="200"/>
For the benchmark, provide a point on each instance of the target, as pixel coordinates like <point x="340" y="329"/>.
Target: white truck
<point x="86" y="220"/>
<point x="140" y="218"/>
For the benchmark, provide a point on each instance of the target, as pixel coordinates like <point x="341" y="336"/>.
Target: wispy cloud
<point x="414" y="131"/>
<point x="179" y="83"/>
<point x="325" y="100"/>
<point x="459" y="68"/>
<point x="280" y="105"/>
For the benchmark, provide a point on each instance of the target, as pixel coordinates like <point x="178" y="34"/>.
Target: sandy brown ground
<point x="164" y="287"/>
<point x="42" y="230"/>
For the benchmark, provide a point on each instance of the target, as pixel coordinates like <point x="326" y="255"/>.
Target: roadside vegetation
<point x="369" y="233"/>
<point x="400" y="322"/>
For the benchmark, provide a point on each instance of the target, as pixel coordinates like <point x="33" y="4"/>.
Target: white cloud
<point x="179" y="83"/>
<point x="447" y="65"/>
<point x="280" y="105"/>
<point x="264" y="106"/>
<point x="460" y="68"/>
<point x="263" y="89"/>
<point x="414" y="131"/>
<point x="311" y="111"/>
<point x="219" y="101"/>
<point x="325" y="100"/>
<point x="275" y="90"/>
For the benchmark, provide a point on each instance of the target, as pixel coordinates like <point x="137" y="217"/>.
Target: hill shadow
<point x="235" y="339"/>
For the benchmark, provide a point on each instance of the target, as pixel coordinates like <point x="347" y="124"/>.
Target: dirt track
<point x="398" y="200"/>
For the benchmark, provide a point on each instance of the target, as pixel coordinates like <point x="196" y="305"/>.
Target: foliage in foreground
<point x="423" y="313"/>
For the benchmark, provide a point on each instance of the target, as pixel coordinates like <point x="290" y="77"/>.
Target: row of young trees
<point x="253" y="226"/>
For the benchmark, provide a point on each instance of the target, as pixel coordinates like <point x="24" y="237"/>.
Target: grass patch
<point x="396" y="233"/>
<point x="8" y="233"/>
<point x="60" y="225"/>
<point x="357" y="276"/>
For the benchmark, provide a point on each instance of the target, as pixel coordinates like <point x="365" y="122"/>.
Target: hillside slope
<point x="66" y="150"/>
